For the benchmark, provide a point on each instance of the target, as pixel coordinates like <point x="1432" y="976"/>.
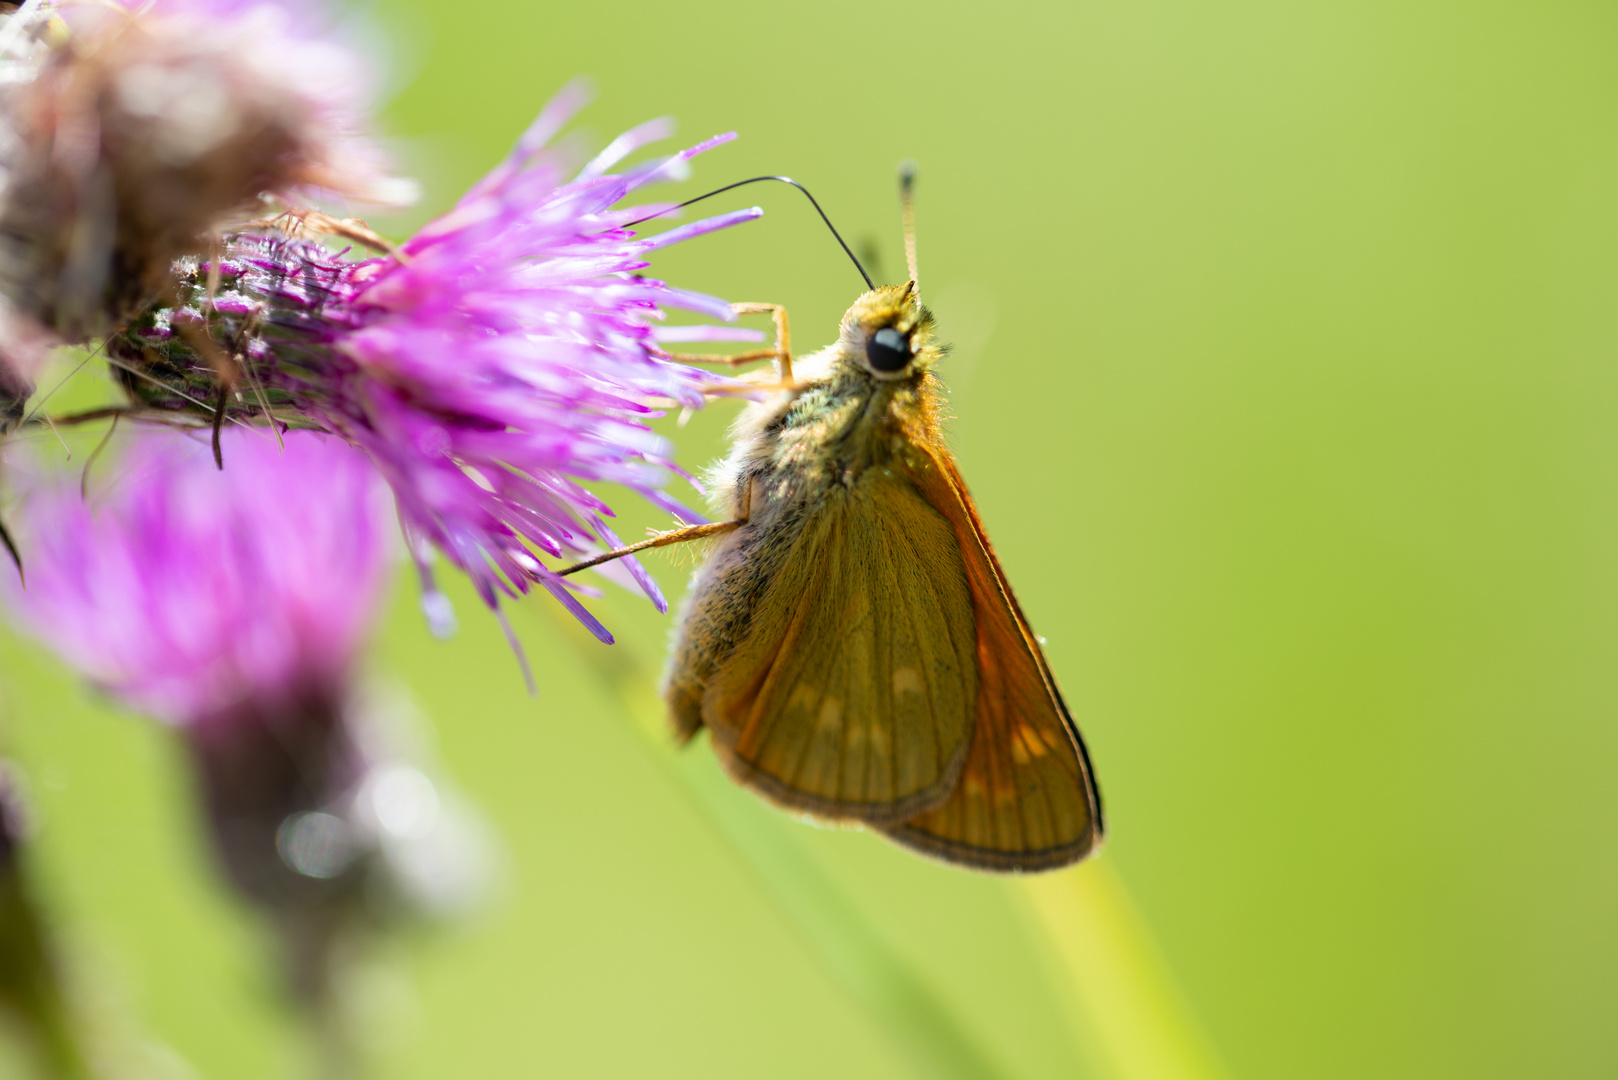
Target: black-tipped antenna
<point x="907" y="213"/>
<point x="869" y="284"/>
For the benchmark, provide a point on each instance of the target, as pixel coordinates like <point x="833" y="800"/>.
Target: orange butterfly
<point x="852" y="643"/>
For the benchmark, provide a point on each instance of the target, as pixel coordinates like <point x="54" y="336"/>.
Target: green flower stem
<point x="30" y="979"/>
<point x="1128" y="1005"/>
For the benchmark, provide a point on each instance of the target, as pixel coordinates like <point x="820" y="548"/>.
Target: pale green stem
<point x="1124" y="996"/>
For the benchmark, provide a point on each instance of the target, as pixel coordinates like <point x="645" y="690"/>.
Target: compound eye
<point x="887" y="350"/>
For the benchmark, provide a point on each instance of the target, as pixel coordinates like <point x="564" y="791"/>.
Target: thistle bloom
<point x="504" y="357"/>
<point x="129" y="129"/>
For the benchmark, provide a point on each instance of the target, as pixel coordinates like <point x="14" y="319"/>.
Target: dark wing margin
<point x="1026" y="799"/>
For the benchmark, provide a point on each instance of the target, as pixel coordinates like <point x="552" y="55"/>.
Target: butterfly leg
<point x="733" y="359"/>
<point x="783" y="337"/>
<point x="673" y="536"/>
<point x="781" y="353"/>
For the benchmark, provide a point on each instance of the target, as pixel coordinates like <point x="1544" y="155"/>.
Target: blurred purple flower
<point x="192" y="595"/>
<point x="505" y="358"/>
<point x="233" y="605"/>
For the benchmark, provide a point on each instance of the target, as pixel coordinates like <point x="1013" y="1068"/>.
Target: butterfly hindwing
<point x="1026" y="798"/>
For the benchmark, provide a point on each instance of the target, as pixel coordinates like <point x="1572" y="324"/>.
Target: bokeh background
<point x="1287" y="370"/>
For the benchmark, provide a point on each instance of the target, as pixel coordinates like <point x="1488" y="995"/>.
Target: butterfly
<point x="851" y="642"/>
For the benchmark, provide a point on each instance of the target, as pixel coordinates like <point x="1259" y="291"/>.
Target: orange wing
<point x="1027" y="797"/>
<point x="850" y="695"/>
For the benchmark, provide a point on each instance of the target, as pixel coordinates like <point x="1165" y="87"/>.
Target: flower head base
<point x="192" y="595"/>
<point x="130" y="130"/>
<point x="505" y="358"/>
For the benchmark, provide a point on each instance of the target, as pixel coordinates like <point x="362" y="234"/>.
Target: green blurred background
<point x="1285" y="386"/>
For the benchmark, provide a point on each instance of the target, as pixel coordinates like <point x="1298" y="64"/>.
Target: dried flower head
<point x="504" y="357"/>
<point x="129" y="130"/>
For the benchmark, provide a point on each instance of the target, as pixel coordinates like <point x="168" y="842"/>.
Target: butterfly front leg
<point x="781" y="353"/>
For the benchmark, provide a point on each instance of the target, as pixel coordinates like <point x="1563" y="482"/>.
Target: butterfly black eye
<point x="887" y="350"/>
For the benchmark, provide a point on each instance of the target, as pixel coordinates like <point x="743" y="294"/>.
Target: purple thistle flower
<point x="503" y="360"/>
<point x="129" y="129"/>
<point x="192" y="595"/>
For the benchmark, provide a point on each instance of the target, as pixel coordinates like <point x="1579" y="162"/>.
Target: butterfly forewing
<point x="1026" y="798"/>
<point x="851" y="693"/>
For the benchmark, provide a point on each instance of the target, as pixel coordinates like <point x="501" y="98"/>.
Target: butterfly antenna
<point x="907" y="212"/>
<point x="869" y="284"/>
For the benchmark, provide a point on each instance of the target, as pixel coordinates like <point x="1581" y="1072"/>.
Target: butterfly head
<point x="889" y="334"/>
